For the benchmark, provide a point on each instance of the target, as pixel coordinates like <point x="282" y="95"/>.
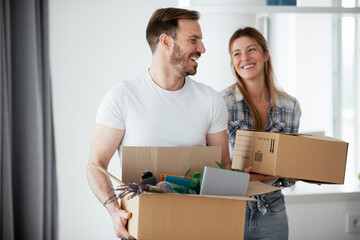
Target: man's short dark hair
<point x="165" y="20"/>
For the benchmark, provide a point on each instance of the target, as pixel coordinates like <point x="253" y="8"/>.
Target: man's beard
<point x="179" y="60"/>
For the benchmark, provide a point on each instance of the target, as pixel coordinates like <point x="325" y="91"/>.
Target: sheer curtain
<point x="28" y="195"/>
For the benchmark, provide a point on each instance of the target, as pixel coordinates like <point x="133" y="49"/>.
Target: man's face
<point x="187" y="47"/>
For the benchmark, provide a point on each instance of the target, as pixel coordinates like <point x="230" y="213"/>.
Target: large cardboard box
<point x="178" y="216"/>
<point x="312" y="158"/>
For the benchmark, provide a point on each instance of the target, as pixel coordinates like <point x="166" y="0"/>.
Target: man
<point x="159" y="107"/>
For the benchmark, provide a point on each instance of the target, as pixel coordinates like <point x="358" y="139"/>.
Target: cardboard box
<point x="178" y="216"/>
<point x="311" y="158"/>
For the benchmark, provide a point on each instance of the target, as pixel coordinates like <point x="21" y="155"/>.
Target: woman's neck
<point x="258" y="91"/>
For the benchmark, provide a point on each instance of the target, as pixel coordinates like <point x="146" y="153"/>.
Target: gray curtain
<point x="28" y="188"/>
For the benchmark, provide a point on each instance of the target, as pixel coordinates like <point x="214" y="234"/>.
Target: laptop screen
<point x="224" y="182"/>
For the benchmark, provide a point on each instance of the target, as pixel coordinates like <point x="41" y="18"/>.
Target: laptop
<point x="223" y="182"/>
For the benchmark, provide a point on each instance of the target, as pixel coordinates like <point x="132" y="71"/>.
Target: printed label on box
<point x="272" y="146"/>
<point x="243" y="151"/>
<point x="264" y="154"/>
<point x="258" y="156"/>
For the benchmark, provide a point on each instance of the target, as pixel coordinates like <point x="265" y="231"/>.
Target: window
<point x="315" y="51"/>
<point x="315" y="60"/>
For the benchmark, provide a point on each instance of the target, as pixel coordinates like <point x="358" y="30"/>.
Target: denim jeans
<point x="271" y="226"/>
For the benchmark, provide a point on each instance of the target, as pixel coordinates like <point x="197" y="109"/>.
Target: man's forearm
<point x="102" y="187"/>
<point x="225" y="160"/>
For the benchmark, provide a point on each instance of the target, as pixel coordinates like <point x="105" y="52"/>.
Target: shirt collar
<point x="237" y="95"/>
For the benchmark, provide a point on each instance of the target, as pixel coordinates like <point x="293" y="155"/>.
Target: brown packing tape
<point x="258" y="188"/>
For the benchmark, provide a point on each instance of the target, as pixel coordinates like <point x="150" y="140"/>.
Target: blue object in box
<point x="281" y="2"/>
<point x="177" y="180"/>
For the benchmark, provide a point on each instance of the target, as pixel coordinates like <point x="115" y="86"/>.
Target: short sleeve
<point x="219" y="116"/>
<point x="111" y="111"/>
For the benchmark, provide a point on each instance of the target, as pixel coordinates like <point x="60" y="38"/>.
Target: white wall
<point x="96" y="43"/>
<point x="321" y="216"/>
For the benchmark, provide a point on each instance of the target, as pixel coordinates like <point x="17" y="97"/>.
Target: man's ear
<point x="165" y="41"/>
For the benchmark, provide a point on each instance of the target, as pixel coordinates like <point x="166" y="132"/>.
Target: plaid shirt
<point x="285" y="119"/>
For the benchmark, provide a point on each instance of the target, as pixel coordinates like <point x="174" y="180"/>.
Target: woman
<point x="254" y="102"/>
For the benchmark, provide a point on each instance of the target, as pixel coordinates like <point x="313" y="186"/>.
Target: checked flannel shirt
<point x="285" y="119"/>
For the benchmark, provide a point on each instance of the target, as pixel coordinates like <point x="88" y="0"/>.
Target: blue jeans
<point x="271" y="226"/>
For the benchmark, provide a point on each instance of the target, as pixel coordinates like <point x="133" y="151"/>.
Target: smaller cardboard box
<point x="179" y="216"/>
<point x="312" y="158"/>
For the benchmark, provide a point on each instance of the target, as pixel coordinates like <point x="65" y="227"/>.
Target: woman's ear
<point x="267" y="56"/>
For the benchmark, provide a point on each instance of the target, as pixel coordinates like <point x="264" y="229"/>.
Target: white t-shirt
<point x="152" y="116"/>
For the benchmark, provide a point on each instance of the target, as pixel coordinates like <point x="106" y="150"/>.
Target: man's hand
<point x="120" y="218"/>
<point x="257" y="176"/>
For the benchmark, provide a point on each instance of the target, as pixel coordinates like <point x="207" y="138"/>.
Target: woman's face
<point x="248" y="58"/>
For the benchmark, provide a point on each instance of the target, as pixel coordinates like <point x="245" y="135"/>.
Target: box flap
<point x="257" y="188"/>
<point x="171" y="160"/>
<point x="240" y="198"/>
<point x="254" y="188"/>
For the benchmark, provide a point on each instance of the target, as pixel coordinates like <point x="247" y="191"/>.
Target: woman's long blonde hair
<point x="268" y="71"/>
